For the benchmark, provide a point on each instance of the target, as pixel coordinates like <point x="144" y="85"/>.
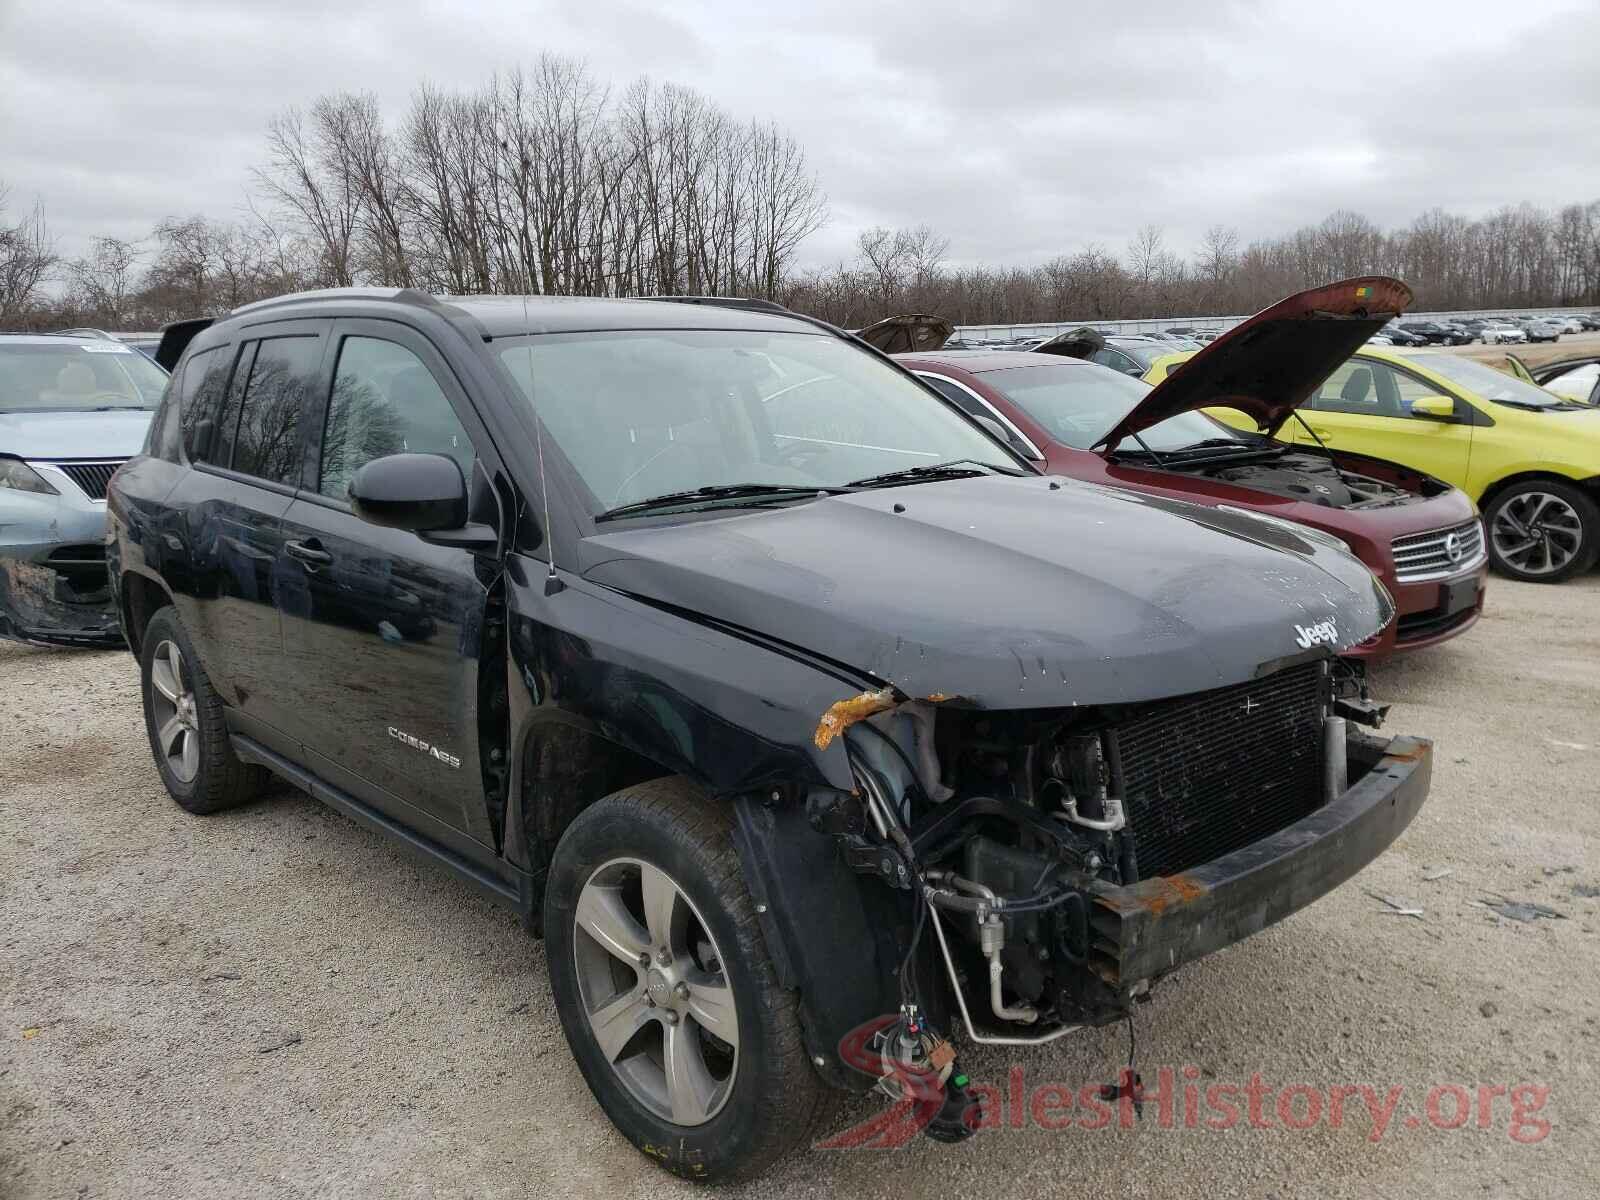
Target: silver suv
<point x="73" y="408"/>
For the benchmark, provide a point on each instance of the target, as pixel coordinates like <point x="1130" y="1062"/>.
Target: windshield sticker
<point x="105" y="348"/>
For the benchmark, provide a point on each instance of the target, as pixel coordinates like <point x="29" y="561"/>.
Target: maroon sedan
<point x="1420" y="536"/>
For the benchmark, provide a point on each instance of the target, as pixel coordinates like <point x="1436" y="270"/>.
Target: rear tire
<point x="183" y="718"/>
<point x="649" y="869"/>
<point x="1542" y="531"/>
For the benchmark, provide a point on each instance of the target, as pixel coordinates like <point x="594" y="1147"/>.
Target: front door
<point x="1365" y="407"/>
<point x="382" y="629"/>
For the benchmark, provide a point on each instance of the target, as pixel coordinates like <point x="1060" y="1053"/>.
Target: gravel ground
<point x="275" y="1002"/>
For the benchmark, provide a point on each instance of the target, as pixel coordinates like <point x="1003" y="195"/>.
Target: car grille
<point x="1419" y="557"/>
<point x="1206" y="774"/>
<point x="91" y="477"/>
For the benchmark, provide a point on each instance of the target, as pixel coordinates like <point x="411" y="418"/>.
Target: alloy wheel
<point x="1537" y="533"/>
<point x="177" y="721"/>
<point x="655" y="991"/>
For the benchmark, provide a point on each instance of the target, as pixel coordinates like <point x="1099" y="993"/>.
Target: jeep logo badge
<point x="1307" y="636"/>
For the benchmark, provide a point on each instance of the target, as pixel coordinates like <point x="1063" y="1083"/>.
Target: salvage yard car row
<point x="817" y="707"/>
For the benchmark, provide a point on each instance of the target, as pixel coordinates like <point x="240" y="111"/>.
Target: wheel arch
<point x="141" y="597"/>
<point x="1591" y="485"/>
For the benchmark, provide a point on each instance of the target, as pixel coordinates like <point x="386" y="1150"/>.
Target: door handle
<point x="311" y="553"/>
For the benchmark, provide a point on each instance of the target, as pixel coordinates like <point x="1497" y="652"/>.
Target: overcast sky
<point x="1013" y="128"/>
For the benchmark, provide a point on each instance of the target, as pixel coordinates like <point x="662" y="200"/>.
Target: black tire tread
<point x="1582" y="503"/>
<point x="223" y="781"/>
<point x="795" y="1103"/>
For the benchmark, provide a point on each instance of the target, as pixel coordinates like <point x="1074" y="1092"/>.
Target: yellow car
<point x="1530" y="458"/>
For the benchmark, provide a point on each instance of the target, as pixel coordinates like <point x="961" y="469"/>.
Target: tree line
<point x="546" y="181"/>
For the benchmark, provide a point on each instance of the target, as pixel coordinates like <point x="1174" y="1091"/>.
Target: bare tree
<point x="27" y="257"/>
<point x="103" y="279"/>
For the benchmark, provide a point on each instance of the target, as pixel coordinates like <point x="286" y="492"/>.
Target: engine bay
<point x="1312" y="478"/>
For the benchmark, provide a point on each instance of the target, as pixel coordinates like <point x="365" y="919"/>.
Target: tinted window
<point x="267" y="444"/>
<point x="201" y="390"/>
<point x="385" y="402"/>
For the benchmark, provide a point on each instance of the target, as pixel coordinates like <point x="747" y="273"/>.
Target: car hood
<point x="907" y="334"/>
<point x="118" y="433"/>
<point x="1269" y="365"/>
<point x="1010" y="592"/>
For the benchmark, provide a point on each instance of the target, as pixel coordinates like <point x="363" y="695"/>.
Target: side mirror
<point x="418" y="492"/>
<point x="1434" y="408"/>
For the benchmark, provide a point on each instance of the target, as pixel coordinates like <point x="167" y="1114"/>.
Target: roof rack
<point x="744" y="302"/>
<point x="400" y="295"/>
<point x="86" y="332"/>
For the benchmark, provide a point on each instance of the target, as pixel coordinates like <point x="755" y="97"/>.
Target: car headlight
<point x="19" y="476"/>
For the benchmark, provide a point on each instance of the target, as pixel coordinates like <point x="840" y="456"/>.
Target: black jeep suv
<point x="796" y="714"/>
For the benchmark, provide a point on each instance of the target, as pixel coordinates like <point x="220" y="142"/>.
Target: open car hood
<point x="1074" y="343"/>
<point x="1269" y="365"/>
<point x="909" y="333"/>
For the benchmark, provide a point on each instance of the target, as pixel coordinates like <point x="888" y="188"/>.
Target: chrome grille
<point x="1419" y="557"/>
<point x="91" y="477"/>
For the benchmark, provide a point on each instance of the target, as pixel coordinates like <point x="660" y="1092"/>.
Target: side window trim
<point x="1006" y="423"/>
<point x="489" y="466"/>
<point x="244" y="347"/>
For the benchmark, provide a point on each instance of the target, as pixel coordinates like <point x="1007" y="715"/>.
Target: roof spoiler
<point x="908" y="333"/>
<point x="175" y="339"/>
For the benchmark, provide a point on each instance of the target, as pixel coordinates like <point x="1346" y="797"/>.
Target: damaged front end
<point x="1065" y="860"/>
<point x="58" y="595"/>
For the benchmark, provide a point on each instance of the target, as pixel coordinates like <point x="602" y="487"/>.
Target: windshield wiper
<point x="718" y="491"/>
<point x="960" y="468"/>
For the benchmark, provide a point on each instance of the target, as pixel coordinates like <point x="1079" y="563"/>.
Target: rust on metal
<point x="844" y="713"/>
<point x="1157" y="895"/>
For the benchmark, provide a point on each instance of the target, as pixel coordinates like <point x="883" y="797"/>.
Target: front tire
<point x="183" y="718"/>
<point x="1542" y="531"/>
<point x="666" y="991"/>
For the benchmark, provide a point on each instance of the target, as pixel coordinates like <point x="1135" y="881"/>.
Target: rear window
<point x="77" y="376"/>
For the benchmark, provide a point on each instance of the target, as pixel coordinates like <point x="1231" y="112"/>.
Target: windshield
<point x="1485" y="381"/>
<point x="1080" y="404"/>
<point x="1146" y="353"/>
<point x="76" y="377"/>
<point x="647" y="413"/>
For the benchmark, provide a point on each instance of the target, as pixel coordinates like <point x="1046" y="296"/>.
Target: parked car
<point x="1570" y="378"/>
<point x="1401" y="337"/>
<point x="72" y="409"/>
<point x="1570" y="323"/>
<point x="1422" y="538"/>
<point x="1498" y="332"/>
<point x="686" y="703"/>
<point x="1540" y="329"/>
<point x="1435" y="334"/>
<point x="1120" y="352"/>
<point x="1529" y="458"/>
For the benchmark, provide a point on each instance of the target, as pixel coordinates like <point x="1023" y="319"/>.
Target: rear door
<point x="241" y="411"/>
<point x="1365" y="407"/>
<point x="382" y="629"/>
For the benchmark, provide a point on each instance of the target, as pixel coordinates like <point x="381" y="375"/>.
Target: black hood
<point x="1011" y="592"/>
